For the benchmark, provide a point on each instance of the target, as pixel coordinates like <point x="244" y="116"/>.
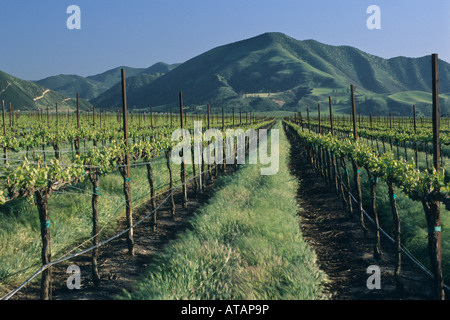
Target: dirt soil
<point x="343" y="253"/>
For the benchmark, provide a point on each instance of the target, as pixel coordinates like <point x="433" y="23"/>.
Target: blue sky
<point x="35" y="42"/>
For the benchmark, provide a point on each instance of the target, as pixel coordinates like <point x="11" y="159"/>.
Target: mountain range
<point x="268" y="72"/>
<point x="92" y="86"/>
<point x="29" y="96"/>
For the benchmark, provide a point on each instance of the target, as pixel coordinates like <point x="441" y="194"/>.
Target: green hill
<point x="113" y="76"/>
<point x="160" y="67"/>
<point x="30" y="96"/>
<point x="269" y="72"/>
<point x="112" y="97"/>
<point x="292" y="75"/>
<point x="70" y="85"/>
<point x="87" y="87"/>
<point x="93" y="86"/>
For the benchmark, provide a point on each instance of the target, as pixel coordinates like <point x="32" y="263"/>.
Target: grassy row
<point x="244" y="244"/>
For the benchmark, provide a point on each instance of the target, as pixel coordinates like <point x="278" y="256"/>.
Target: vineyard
<point x="68" y="177"/>
<point x="385" y="163"/>
<point x="63" y="165"/>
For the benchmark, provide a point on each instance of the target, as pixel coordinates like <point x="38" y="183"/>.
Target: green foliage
<point x="417" y="185"/>
<point x="244" y="244"/>
<point x="28" y="177"/>
<point x="413" y="186"/>
<point x="101" y="153"/>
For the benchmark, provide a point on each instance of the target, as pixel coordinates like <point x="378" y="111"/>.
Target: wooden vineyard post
<point x="215" y="156"/>
<point x="311" y="148"/>
<point x="321" y="165"/>
<point x="331" y="116"/>
<point x="194" y="170"/>
<point x="125" y="170"/>
<point x="208" y="153"/>
<point x="93" y="116"/>
<point x="5" y="152"/>
<point x="197" y="181"/>
<point x="373" y="181"/>
<point x="356" y="169"/>
<point x="224" y="166"/>
<point x="390" y="129"/>
<point x="41" y="199"/>
<point x="435" y="114"/>
<point x="77" y="143"/>
<point x="152" y="192"/>
<point x="233" y="117"/>
<point x="151" y="119"/>
<point x="397" y="142"/>
<point x="301" y="120"/>
<point x="397" y="237"/>
<point x="94" y="141"/>
<point x="333" y="158"/>
<point x="43" y="145"/>
<point x="355" y="131"/>
<point x="56" y="143"/>
<point x="57" y="117"/>
<point x="198" y="151"/>
<point x="48" y="116"/>
<point x="308" y="119"/>
<point x="320" y="123"/>
<point x="94" y="177"/>
<point x="415" y="138"/>
<point x="322" y="151"/>
<point x="183" y="166"/>
<point x="11" y="115"/>
<point x="433" y="208"/>
<point x="169" y="167"/>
